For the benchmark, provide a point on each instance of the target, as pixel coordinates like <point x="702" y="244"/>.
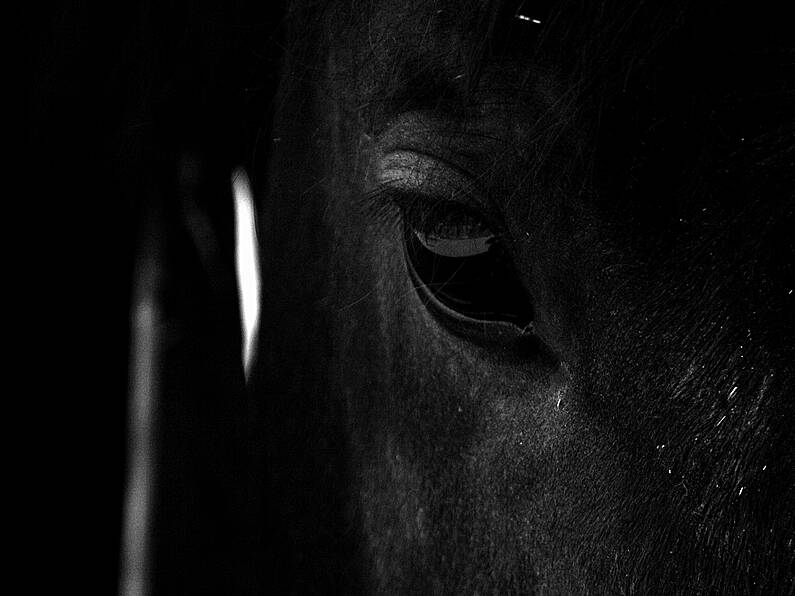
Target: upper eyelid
<point x="416" y="173"/>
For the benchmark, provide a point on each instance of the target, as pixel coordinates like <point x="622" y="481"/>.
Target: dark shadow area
<point x="138" y="112"/>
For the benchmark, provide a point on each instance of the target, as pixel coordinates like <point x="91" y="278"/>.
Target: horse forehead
<point x="417" y="21"/>
<point x="504" y="137"/>
<point x="426" y="44"/>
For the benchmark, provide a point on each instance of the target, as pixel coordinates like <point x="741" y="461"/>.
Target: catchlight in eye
<point x="463" y="265"/>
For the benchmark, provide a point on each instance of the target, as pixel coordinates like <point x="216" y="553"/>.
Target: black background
<point x="118" y="94"/>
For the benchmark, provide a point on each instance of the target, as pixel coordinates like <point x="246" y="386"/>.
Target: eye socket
<point x="462" y="263"/>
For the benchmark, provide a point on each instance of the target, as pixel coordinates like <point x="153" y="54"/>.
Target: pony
<point x="526" y="319"/>
<point x="527" y="314"/>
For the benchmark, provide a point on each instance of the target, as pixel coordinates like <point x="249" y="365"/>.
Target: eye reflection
<point x="463" y="265"/>
<point x="455" y="247"/>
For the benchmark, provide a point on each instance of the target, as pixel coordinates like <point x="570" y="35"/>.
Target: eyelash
<point x="391" y="208"/>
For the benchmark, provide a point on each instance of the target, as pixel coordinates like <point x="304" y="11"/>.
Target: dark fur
<point x="640" y="156"/>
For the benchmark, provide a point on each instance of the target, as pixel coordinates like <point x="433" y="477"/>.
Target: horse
<point x="526" y="303"/>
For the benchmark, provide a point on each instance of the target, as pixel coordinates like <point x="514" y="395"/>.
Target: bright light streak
<point x="139" y="496"/>
<point x="247" y="259"/>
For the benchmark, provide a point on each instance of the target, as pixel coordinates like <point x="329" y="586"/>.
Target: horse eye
<point x="463" y="265"/>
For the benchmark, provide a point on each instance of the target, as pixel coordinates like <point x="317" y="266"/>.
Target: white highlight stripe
<point x="247" y="258"/>
<point x="142" y="418"/>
